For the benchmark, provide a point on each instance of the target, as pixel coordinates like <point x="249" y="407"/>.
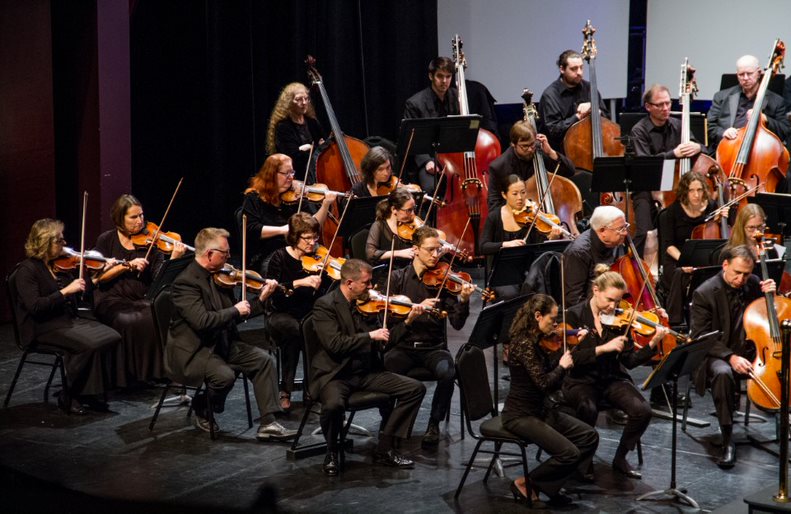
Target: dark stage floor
<point x="110" y="462"/>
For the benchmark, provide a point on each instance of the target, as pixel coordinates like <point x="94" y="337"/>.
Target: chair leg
<point x="526" y="474"/>
<point x="747" y="406"/>
<point x="461" y="415"/>
<point x="58" y="362"/>
<point x="159" y="407"/>
<point x="342" y="441"/>
<point x="640" y="452"/>
<point x="247" y="401"/>
<point x="467" y="469"/>
<point x="210" y="415"/>
<point x="686" y="411"/>
<point x="16" y="377"/>
<point x="497" y="447"/>
<point x="308" y="405"/>
<point x="197" y="390"/>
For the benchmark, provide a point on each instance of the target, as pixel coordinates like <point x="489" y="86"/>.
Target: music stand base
<point x="673" y="492"/>
<point x="693" y="422"/>
<point x="765" y="501"/>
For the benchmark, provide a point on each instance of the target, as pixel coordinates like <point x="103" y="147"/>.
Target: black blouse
<point x="260" y="213"/>
<point x="534" y="375"/>
<point x="286" y="269"/>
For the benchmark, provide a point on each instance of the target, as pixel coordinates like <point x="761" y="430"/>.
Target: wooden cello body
<point x="338" y="165"/>
<point x="465" y="196"/>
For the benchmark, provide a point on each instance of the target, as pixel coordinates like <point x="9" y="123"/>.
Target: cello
<point x="564" y="199"/>
<point x="465" y="196"/>
<point x="594" y="136"/>
<point x="338" y="165"/>
<point x="756" y="156"/>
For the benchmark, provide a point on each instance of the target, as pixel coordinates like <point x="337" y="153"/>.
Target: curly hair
<point x="282" y="109"/>
<point x="41" y="236"/>
<point x="525" y="325"/>
<point x="264" y="183"/>
<point x="686" y="180"/>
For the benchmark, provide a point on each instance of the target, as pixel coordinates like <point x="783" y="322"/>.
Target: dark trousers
<point x="570" y="442"/>
<point x="723" y="383"/>
<point x="643" y="218"/>
<point x="285" y="330"/>
<point x="260" y="368"/>
<point x="621" y="394"/>
<point x="438" y="362"/>
<point x="407" y="393"/>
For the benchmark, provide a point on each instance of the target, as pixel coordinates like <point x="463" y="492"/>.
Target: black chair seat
<point x="493" y="429"/>
<point x="366" y="399"/>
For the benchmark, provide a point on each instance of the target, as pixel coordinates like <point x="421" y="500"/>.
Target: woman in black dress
<point x="529" y="412"/>
<point x="398" y="207"/>
<point x="377" y="169"/>
<point x="119" y="299"/>
<point x="48" y="314"/>
<point x="293" y="127"/>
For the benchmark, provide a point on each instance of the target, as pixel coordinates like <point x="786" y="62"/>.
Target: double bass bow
<point x="559" y="197"/>
<point x="756" y="157"/>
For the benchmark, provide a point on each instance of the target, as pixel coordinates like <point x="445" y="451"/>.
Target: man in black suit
<point x="203" y="342"/>
<point x="730" y="106"/>
<point x="718" y="304"/>
<point x="348" y="362"/>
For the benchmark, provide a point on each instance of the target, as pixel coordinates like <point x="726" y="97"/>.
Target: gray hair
<point x="748" y="61"/>
<point x="207" y="237"/>
<point x="603" y="215"/>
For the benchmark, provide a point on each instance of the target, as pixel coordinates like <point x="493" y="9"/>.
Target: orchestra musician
<point x="566" y="100"/>
<point x="119" y="297"/>
<point x="286" y="268"/>
<point x="536" y="372"/>
<point x="45" y="299"/>
<point x="719" y="304"/>
<point x="203" y="342"/>
<point x="267" y="214"/>
<point x="398" y="207"/>
<point x="750" y="220"/>
<point x="518" y="160"/>
<point x="600" y="365"/>
<point x="377" y="169"/>
<point x="598" y="244"/>
<point x="348" y="362"/>
<point x="729" y="107"/>
<point x="422" y="341"/>
<point x="293" y="127"/>
<point x="658" y="134"/>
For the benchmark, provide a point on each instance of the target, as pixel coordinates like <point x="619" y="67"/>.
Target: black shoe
<point x="626" y="470"/>
<point x="728" y="458"/>
<point x="330" y="466"/>
<point x="95" y="404"/>
<point x="391" y="458"/>
<point x="431" y="437"/>
<point x="617" y="416"/>
<point x="203" y="424"/>
<point x="71" y="406"/>
<point x="560" y="500"/>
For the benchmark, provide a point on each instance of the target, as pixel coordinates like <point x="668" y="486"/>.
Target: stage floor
<point x="110" y="462"/>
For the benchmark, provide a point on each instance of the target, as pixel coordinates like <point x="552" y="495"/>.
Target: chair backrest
<point x="776" y="83"/>
<point x="474" y="383"/>
<point x="310" y="346"/>
<point x="357" y="243"/>
<point x="11" y="289"/>
<point x="163" y="308"/>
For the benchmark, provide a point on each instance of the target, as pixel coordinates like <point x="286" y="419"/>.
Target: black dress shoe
<point x="71" y="406"/>
<point x="95" y="404"/>
<point x="626" y="470"/>
<point x="330" y="466"/>
<point x="431" y="437"/>
<point x="728" y="459"/>
<point x="560" y="500"/>
<point x="391" y="458"/>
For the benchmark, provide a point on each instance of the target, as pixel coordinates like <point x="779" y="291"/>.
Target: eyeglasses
<point x="431" y="250"/>
<point x="289" y="173"/>
<point x="753" y="228"/>
<point x="660" y="104"/>
<point x="411" y="209"/>
<point x="227" y="253"/>
<point x="312" y="237"/>
<point x="745" y="74"/>
<point x="59" y="241"/>
<point x="623" y="230"/>
<point x="302" y="100"/>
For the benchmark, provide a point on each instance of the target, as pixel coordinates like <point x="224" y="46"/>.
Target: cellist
<point x="719" y="304"/>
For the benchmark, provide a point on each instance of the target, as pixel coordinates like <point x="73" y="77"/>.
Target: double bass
<point x="338" y="165"/>
<point x="756" y="157"/>
<point x="594" y="136"/>
<point x="564" y="199"/>
<point x="465" y="196"/>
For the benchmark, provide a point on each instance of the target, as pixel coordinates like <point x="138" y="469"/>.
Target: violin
<point x="541" y="221"/>
<point x="642" y="322"/>
<point x="320" y="259"/>
<point x="397" y="305"/>
<point x="314" y="193"/>
<point x="435" y="277"/>
<point x="166" y="241"/>
<point x="92" y="260"/>
<point x="554" y="341"/>
<point x="405" y="231"/>
<point x="229" y="276"/>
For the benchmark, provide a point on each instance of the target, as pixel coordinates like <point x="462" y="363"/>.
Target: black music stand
<point x="680" y="361"/>
<point x="491" y="328"/>
<point x="777" y="207"/>
<point x="627" y="175"/>
<point x="701" y="252"/>
<point x="511" y="264"/>
<point x="167" y="274"/>
<point x="360" y="213"/>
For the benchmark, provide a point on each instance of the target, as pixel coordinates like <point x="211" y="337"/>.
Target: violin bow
<point x="452" y="258"/>
<point x="387" y="287"/>
<point x="541" y="202"/>
<point x="302" y="195"/>
<point x="404" y="158"/>
<point x="164" y="217"/>
<point x="334" y="237"/>
<point x="82" y="234"/>
<point x="436" y="190"/>
<point x="244" y="257"/>
<point x="563" y="297"/>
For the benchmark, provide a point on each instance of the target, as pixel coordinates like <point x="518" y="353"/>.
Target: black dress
<point x="260" y="213"/>
<point x="289" y="136"/>
<point x="121" y="303"/>
<point x="380" y="240"/>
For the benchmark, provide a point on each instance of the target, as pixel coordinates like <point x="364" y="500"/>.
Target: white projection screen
<point x="513" y="44"/>
<point x="713" y="34"/>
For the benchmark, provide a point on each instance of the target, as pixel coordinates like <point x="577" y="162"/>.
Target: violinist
<point x="656" y="135"/>
<point x="203" y="342"/>
<point x="293" y="127"/>
<point x="719" y="304"/>
<point x="535" y="374"/>
<point x="377" y="170"/>
<point x="348" y="362"/>
<point x="421" y="341"/>
<point x="285" y="266"/>
<point x="600" y="366"/>
<point x="518" y="160"/>
<point x="45" y="302"/>
<point x="398" y="208"/>
<point x="730" y="107"/>
<point x="599" y="244"/>
<point x="567" y="100"/>
<point x="119" y="298"/>
<point x="750" y="220"/>
<point x="267" y="215"/>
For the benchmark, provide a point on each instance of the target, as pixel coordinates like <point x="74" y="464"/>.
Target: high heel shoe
<point x="519" y="496"/>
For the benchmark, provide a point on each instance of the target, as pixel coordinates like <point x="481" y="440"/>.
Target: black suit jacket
<point x="199" y="323"/>
<point x="722" y="114"/>
<point x="338" y="338"/>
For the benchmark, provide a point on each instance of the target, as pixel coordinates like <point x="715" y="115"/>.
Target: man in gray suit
<point x="730" y="106"/>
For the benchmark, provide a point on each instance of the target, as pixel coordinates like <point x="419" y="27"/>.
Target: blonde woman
<point x="293" y="127"/>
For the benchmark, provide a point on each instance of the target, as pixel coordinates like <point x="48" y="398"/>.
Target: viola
<point x="166" y="241"/>
<point x="230" y="276"/>
<point x="644" y="323"/>
<point x="541" y="221"/>
<point x="321" y="259"/>
<point x="554" y="342"/>
<point x="314" y="193"/>
<point x="710" y="228"/>
<point x="92" y="260"/>
<point x="397" y="305"/>
<point x="405" y="231"/>
<point x="435" y="277"/>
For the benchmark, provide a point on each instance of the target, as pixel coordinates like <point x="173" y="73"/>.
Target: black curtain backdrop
<point x="205" y="77"/>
